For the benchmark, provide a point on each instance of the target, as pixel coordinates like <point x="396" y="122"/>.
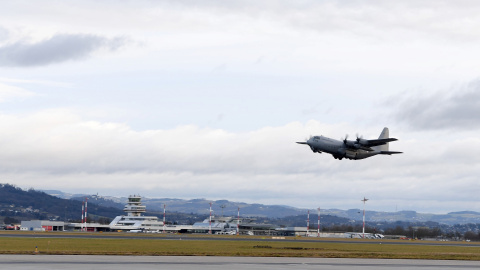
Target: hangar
<point x="42" y="226"/>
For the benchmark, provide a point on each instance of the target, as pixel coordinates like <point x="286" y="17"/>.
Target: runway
<point x="81" y="262"/>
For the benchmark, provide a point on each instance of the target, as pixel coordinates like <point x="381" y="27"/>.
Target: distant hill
<point x="463" y="217"/>
<point x="195" y="206"/>
<point x="201" y="207"/>
<point x="62" y="195"/>
<point x="100" y="201"/>
<point x="31" y="204"/>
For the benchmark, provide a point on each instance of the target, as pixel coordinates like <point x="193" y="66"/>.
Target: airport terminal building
<point x="135" y="221"/>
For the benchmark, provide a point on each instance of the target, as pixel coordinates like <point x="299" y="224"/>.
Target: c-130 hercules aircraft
<point x="358" y="149"/>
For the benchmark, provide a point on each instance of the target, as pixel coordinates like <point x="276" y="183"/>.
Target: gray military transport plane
<point x="358" y="149"/>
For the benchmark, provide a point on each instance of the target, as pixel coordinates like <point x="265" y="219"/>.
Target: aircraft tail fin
<point x="384" y="135"/>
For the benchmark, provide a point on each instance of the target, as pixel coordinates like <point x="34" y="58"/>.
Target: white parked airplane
<point x="358" y="149"/>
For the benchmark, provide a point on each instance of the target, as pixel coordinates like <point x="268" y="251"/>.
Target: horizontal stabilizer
<point x="389" y="152"/>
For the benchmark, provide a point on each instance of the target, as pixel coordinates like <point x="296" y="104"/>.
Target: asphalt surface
<point x="81" y="262"/>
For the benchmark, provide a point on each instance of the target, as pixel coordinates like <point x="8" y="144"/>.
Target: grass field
<point x="160" y="246"/>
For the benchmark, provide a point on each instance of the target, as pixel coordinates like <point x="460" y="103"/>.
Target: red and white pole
<point x="86" y="203"/>
<point x="164" y="206"/>
<point x="210" y="226"/>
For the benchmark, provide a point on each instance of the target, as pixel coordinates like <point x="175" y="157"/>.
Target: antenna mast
<point x="363" y="229"/>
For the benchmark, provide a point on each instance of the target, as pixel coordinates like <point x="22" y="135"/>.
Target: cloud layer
<point x="213" y="100"/>
<point x="58" y="149"/>
<point x="457" y="108"/>
<point x="9" y="92"/>
<point x="57" y="49"/>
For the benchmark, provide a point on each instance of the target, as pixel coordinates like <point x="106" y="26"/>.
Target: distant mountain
<point x="61" y="194"/>
<point x="80" y="196"/>
<point x="219" y="207"/>
<point x="100" y="201"/>
<point x="31" y="204"/>
<point x="228" y="208"/>
<point x="201" y="206"/>
<point x="195" y="206"/>
<point x="452" y="218"/>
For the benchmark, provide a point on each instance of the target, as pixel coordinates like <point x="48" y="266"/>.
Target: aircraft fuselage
<point x="357" y="149"/>
<point x="337" y="148"/>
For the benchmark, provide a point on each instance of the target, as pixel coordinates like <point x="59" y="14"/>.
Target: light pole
<point x="363" y="229"/>
<point x="223" y="207"/>
<point x="83" y="214"/>
<point x="210" y="224"/>
<point x="164" y="210"/>
<point x="238" y="221"/>
<point x="308" y="221"/>
<point x="318" y="225"/>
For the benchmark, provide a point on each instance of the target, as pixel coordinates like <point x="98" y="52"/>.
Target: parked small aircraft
<point x="358" y="149"/>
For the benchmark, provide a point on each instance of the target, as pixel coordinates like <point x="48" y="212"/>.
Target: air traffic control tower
<point x="134" y="220"/>
<point x="134" y="207"/>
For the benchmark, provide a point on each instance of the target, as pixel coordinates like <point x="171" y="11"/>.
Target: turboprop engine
<point x="357" y="144"/>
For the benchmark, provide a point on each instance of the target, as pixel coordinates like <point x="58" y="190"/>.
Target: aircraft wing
<point x="377" y="142"/>
<point x="390" y="152"/>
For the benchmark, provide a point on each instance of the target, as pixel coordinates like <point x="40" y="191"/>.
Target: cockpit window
<point x="316" y="137"/>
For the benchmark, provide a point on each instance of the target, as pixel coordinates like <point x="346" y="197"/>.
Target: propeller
<point x="359" y="137"/>
<point x="357" y="144"/>
<point x="308" y="138"/>
<point x="305" y="142"/>
<point x="362" y="142"/>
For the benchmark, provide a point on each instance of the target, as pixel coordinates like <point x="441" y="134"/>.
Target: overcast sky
<point x="206" y="99"/>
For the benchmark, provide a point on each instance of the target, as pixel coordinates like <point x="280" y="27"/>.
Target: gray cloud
<point x="63" y="150"/>
<point x="59" y="48"/>
<point x="4" y="34"/>
<point x="459" y="109"/>
<point x="363" y="18"/>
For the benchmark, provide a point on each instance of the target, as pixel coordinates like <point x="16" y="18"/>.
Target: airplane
<point x="358" y="149"/>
